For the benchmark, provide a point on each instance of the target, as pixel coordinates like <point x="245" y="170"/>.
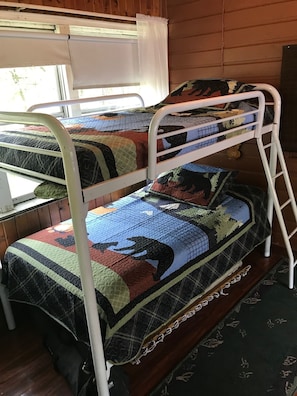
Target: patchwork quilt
<point x="108" y="145"/>
<point x="150" y="257"/>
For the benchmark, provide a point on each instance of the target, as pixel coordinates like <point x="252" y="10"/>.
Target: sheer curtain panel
<point x="153" y="57"/>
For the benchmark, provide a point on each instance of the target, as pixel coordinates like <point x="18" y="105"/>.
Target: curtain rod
<point x="21" y="7"/>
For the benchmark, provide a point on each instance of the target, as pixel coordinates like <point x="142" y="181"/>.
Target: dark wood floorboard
<point x="26" y="367"/>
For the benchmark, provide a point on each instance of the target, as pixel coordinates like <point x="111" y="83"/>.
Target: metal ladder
<point x="275" y="168"/>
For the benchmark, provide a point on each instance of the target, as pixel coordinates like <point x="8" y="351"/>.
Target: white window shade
<point x="21" y="49"/>
<point x="101" y="62"/>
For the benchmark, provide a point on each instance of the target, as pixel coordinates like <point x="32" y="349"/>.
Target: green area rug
<point x="253" y="352"/>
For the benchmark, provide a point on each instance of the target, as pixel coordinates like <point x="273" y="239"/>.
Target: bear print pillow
<point x="201" y="185"/>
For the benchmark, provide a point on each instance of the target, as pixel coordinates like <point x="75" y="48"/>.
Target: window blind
<point x="22" y="48"/>
<point x="100" y="62"/>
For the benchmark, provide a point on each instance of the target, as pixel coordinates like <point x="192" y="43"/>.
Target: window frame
<point x="63" y="26"/>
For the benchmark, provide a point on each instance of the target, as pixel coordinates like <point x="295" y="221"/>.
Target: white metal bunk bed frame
<point x="67" y="102"/>
<point x="79" y="199"/>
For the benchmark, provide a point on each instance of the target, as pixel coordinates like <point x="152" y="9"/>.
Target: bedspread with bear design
<point x="142" y="247"/>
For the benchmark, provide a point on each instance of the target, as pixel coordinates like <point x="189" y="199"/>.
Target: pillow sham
<point x="200" y="185"/>
<point x="206" y="88"/>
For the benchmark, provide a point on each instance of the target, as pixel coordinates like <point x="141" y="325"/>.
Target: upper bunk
<point x="101" y="153"/>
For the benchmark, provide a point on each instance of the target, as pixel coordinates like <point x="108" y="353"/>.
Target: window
<point x="108" y="105"/>
<point x="28" y="85"/>
<point x="46" y="57"/>
<point x="22" y="184"/>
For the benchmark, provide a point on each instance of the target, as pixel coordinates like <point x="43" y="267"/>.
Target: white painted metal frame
<point x="78" y="199"/>
<point x="71" y="102"/>
<point x="270" y="163"/>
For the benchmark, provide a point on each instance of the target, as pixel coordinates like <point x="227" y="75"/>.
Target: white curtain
<point x="153" y="58"/>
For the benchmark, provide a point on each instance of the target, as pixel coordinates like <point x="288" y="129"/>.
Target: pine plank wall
<point x="207" y="39"/>
<point x="234" y="39"/>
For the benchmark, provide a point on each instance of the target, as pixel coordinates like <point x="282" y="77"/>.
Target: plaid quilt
<point x="107" y="145"/>
<point x="150" y="257"/>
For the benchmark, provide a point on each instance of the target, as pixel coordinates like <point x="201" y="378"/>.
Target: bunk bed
<point x="184" y="128"/>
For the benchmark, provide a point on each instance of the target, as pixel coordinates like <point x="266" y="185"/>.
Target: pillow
<point x="202" y="89"/>
<point x="49" y="190"/>
<point x="201" y="185"/>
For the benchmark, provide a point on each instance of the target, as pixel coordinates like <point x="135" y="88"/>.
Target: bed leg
<point x="6" y="305"/>
<point x="267" y="248"/>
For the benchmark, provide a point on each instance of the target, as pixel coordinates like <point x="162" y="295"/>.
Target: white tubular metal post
<point x="78" y="212"/>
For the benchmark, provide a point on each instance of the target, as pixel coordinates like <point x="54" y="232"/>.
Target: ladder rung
<point x="285" y="204"/>
<point x="292" y="233"/>
<point x="278" y="174"/>
<point x="267" y="146"/>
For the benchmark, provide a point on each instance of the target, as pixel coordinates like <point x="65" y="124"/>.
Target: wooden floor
<point x="26" y="366"/>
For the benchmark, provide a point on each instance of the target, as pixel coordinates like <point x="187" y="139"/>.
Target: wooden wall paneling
<point x="192" y="44"/>
<point x="248" y="47"/>
<point x="184" y="11"/>
<point x="253" y="35"/>
<point x="10" y="234"/>
<point x="49" y="3"/>
<point x="64" y="209"/>
<point x="54" y="208"/>
<point x="99" y="202"/>
<point x="252" y="54"/>
<point x="249" y="161"/>
<point x="195" y="40"/>
<point x="27" y="223"/>
<point x="113" y="7"/>
<point x="180" y="75"/>
<point x="197" y="60"/>
<point x="288" y="90"/>
<point x="252" y="72"/>
<point x="152" y="7"/>
<point x="196" y="27"/>
<point x="269" y="14"/>
<point x="44" y="216"/>
<point x="291" y="158"/>
<point x="92" y="204"/>
<point x="3" y="241"/>
<point x="277" y="235"/>
<point x="281" y="189"/>
<point x="10" y="229"/>
<point x="98" y="6"/>
<point x="232" y="5"/>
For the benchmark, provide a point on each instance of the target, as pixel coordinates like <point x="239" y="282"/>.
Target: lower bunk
<point x="155" y="256"/>
<point x="144" y="378"/>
